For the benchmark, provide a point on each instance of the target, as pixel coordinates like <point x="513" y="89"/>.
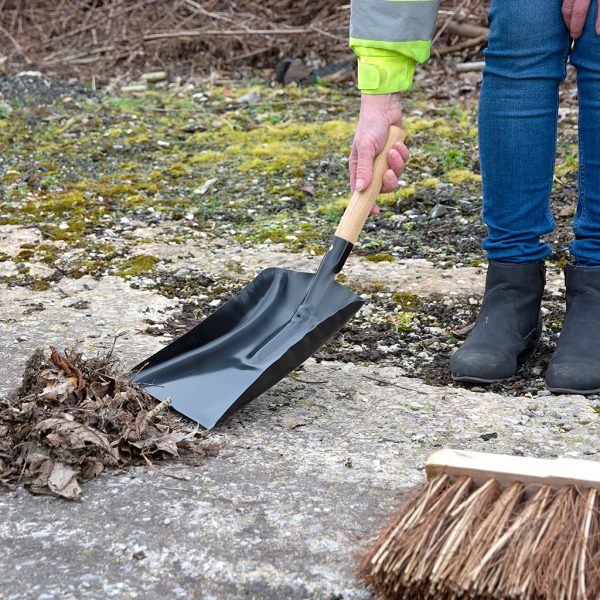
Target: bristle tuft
<point x="454" y="540"/>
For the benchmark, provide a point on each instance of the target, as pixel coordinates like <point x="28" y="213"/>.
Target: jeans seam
<point x="582" y="196"/>
<point x="549" y="202"/>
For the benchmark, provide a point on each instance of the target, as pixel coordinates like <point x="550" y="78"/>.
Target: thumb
<point x="364" y="166"/>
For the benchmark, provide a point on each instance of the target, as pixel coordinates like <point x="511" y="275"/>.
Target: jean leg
<point x="518" y="113"/>
<point x="586" y="58"/>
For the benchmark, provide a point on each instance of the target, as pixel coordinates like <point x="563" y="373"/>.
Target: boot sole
<point x="520" y="359"/>
<point x="571" y="391"/>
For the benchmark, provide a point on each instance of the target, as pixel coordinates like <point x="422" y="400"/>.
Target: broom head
<point x="493" y="526"/>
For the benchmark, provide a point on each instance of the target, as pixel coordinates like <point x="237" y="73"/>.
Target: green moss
<point x="207" y="157"/>
<point x="40" y="285"/>
<point x="25" y="255"/>
<point x="596" y="409"/>
<point x="406" y="300"/>
<point x="333" y="210"/>
<point x="429" y="182"/>
<point x="137" y="265"/>
<point x="377" y="258"/>
<point x="458" y="176"/>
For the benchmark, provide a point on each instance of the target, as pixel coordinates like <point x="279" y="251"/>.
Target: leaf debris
<point x="74" y="416"/>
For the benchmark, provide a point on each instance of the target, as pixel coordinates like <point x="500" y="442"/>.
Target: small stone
<point x="438" y="210"/>
<point x="200" y="191"/>
<point x="250" y="98"/>
<point x="139" y="555"/>
<point x="486" y="437"/>
<point x="182" y="273"/>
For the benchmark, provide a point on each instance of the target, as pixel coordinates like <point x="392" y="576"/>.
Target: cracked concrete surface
<point x="305" y="474"/>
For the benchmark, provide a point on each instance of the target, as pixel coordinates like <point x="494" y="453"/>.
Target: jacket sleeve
<point x="389" y="38"/>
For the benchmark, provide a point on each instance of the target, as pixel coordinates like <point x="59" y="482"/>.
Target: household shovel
<point x="266" y="330"/>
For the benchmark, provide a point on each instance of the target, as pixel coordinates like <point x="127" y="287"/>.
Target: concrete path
<point x="305" y="474"/>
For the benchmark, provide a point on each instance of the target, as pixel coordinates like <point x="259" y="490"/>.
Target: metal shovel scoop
<point x="266" y="330"/>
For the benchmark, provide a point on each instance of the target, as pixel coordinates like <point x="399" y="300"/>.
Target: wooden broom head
<point x="493" y="526"/>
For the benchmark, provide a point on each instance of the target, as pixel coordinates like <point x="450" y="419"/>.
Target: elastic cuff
<point x="385" y="74"/>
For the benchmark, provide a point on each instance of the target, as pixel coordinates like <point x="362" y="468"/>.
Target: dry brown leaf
<point x="63" y="363"/>
<point x="76" y="435"/>
<point x="63" y="481"/>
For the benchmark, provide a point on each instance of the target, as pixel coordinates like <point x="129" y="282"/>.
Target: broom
<point x="493" y="526"/>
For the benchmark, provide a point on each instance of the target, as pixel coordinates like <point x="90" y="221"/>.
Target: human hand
<point x="377" y="114"/>
<point x="575" y="13"/>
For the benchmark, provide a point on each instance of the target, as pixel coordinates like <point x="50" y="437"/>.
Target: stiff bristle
<point x="456" y="540"/>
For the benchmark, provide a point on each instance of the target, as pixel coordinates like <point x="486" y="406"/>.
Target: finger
<point x="395" y="161"/>
<point x="578" y="17"/>
<point x="364" y="166"/>
<point x="390" y="181"/>
<point x="404" y="152"/>
<point x="375" y="210"/>
<point x="567" y="12"/>
<point x="352" y="160"/>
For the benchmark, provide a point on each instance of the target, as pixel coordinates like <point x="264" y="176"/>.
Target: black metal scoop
<point x="265" y="331"/>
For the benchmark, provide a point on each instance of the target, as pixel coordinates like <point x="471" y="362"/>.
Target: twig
<point x="472" y="66"/>
<point x="164" y="404"/>
<point x="207" y="13"/>
<point x="462" y="45"/>
<point x="447" y="22"/>
<point x="466" y="30"/>
<point x="227" y="32"/>
<point x="16" y="45"/>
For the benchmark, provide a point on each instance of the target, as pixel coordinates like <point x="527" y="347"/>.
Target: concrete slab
<point x="305" y="475"/>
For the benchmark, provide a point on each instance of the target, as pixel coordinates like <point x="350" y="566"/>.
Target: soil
<point x="32" y="88"/>
<point x="394" y="329"/>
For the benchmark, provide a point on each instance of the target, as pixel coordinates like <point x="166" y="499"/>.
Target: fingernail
<point x="360" y="185"/>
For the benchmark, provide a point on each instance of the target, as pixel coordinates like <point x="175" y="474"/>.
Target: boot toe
<point x="482" y="366"/>
<point x="573" y="376"/>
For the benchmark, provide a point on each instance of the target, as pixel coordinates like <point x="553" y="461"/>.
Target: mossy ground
<point x="272" y="171"/>
<point x="101" y="177"/>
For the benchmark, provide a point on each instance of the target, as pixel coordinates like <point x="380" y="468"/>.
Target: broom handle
<point x="507" y="469"/>
<point x="361" y="203"/>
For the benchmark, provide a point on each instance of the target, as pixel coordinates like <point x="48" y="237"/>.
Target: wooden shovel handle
<point x="361" y="203"/>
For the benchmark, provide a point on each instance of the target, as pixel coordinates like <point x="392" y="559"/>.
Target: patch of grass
<point x="403" y="321"/>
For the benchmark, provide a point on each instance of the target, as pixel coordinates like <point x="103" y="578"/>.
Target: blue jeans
<point x="526" y="60"/>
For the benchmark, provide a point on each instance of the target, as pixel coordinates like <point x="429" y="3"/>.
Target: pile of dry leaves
<point x="74" y="416"/>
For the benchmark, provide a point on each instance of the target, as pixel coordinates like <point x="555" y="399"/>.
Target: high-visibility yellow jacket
<point x="390" y="37"/>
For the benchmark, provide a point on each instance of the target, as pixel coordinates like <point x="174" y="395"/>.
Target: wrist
<point x="386" y="105"/>
<point x="381" y="100"/>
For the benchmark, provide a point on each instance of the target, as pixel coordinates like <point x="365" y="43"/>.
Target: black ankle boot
<point x="575" y="366"/>
<point x="508" y="327"/>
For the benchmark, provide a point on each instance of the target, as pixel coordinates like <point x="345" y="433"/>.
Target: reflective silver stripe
<point x="393" y="20"/>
